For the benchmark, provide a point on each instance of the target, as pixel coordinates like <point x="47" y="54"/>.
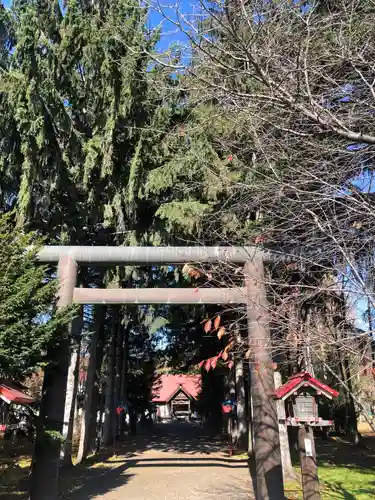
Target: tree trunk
<point x="338" y="308"/>
<point x="87" y="414"/>
<point x="71" y="392"/>
<point x="371" y="329"/>
<point x="352" y="413"/>
<point x="307" y="357"/>
<point x="231" y="395"/>
<point x="241" y="405"/>
<point x="356" y="401"/>
<point x="118" y="378"/>
<point x="96" y="405"/>
<point x="124" y="381"/>
<point x="288" y="470"/>
<point x="46" y="459"/>
<point x="109" y="409"/>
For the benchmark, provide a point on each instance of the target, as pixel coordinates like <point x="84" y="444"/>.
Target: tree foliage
<point x="27" y="322"/>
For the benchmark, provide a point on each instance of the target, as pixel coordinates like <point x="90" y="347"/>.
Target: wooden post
<point x="309" y="467"/>
<point x="269" y="476"/>
<point x="46" y="460"/>
<point x="288" y="470"/>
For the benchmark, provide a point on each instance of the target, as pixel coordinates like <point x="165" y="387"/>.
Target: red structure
<point x="176" y="395"/>
<point x="300" y="379"/>
<point x="301" y="393"/>
<point x="11" y="395"/>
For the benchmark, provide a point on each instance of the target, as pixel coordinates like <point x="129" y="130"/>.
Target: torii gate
<point x="269" y="479"/>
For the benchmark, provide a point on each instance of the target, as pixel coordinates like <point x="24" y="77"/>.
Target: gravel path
<point x="176" y="463"/>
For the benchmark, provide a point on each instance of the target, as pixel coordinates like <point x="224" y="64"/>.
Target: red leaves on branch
<point x="214" y="361"/>
<point x="214" y="325"/>
<point x="211" y="363"/>
<point x="207" y="365"/>
<point x="221" y="333"/>
<point x="208" y="326"/>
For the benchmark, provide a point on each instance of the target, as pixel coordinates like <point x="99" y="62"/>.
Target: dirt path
<point x="176" y="463"/>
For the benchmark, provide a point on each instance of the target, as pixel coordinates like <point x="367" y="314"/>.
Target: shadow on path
<point x="178" y="437"/>
<point x="85" y="484"/>
<point x="155" y="462"/>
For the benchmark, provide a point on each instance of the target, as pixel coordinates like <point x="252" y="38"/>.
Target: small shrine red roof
<point x="166" y="386"/>
<point x="300" y="379"/>
<point x="11" y="395"/>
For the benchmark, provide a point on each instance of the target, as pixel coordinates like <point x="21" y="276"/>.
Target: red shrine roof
<point x="166" y="386"/>
<point x="11" y="395"/>
<point x="300" y="379"/>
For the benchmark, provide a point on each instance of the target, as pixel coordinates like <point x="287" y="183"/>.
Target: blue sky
<point x="170" y="33"/>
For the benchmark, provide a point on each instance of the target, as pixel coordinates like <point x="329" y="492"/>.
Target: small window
<point x="305" y="407"/>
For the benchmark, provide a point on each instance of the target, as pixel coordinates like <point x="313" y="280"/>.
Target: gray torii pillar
<point x="268" y="466"/>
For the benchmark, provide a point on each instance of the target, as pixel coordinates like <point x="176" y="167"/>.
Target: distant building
<point x="175" y="396"/>
<point x="11" y="397"/>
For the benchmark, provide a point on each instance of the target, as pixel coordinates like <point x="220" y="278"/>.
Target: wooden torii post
<point x="269" y="479"/>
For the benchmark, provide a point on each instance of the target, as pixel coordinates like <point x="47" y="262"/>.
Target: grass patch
<point x="338" y="483"/>
<point x="348" y="483"/>
<point x="345" y="471"/>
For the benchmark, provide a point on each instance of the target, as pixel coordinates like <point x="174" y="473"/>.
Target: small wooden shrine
<point x="301" y="395"/>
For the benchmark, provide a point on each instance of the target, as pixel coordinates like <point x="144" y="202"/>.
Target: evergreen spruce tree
<point x="27" y="322"/>
<point x="78" y="108"/>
